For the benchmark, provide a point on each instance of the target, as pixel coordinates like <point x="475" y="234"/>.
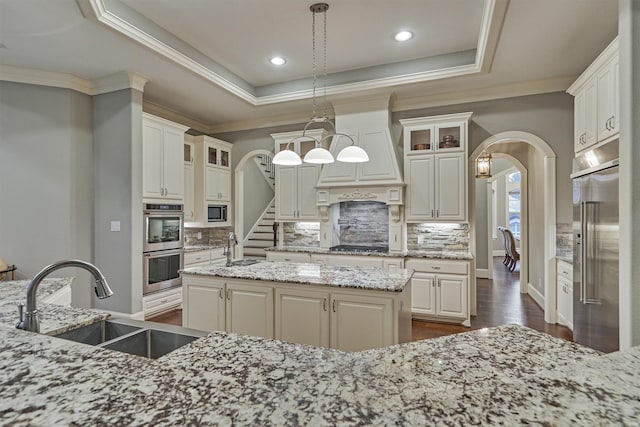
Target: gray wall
<point x="46" y="200"/>
<point x="117" y="133"/>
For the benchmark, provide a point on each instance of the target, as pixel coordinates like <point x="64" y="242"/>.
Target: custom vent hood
<point x="367" y="122"/>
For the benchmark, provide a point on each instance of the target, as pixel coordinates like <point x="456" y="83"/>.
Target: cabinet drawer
<point x="196" y="257"/>
<point x="565" y="270"/>
<point x="288" y="256"/>
<point x="160" y="298"/>
<point x="439" y="266"/>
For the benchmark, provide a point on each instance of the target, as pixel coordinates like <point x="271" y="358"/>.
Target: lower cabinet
<point x="288" y="256"/>
<point x="161" y="302"/>
<point x="388" y="263"/>
<point x="564" y="288"/>
<point x="440" y="290"/>
<point x="345" y="320"/>
<point x="214" y="305"/>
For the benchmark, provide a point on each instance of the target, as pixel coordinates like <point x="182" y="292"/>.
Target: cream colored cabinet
<point x="435" y="167"/>
<point x="189" y="183"/>
<point x="360" y="323"/>
<point x="295" y="185"/>
<point x="564" y="289"/>
<point x="212" y="180"/>
<point x="596" y="100"/>
<point x="388" y="263"/>
<point x="249" y="310"/>
<point x="162" y="167"/>
<point x="302" y="316"/>
<point x="440" y="290"/>
<point x="161" y="302"/>
<point x="355" y="260"/>
<point x="197" y="258"/>
<point x="215" y="305"/>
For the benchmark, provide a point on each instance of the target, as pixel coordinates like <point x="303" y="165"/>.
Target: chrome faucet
<point x="227" y="250"/>
<point x="29" y="319"/>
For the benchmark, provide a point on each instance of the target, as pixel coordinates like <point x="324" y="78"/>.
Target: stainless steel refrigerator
<point x="596" y="249"/>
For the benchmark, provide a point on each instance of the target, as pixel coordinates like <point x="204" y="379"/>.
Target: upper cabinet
<point x="295" y="185"/>
<point x="212" y="181"/>
<point x="435" y="167"/>
<point x="189" y="183"/>
<point x="162" y="165"/>
<point x="596" y="100"/>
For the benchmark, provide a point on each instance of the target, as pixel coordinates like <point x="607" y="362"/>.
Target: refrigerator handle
<point x="583" y="246"/>
<point x="590" y="285"/>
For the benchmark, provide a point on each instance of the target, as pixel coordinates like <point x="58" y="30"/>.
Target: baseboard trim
<point x="482" y="273"/>
<point x="535" y="295"/>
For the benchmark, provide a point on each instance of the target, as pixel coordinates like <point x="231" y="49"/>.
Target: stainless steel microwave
<point x="217" y="213"/>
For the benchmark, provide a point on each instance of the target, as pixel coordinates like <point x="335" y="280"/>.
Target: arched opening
<point x="533" y="156"/>
<point x="249" y="204"/>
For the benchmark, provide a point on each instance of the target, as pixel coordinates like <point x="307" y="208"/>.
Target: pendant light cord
<point x="313" y="50"/>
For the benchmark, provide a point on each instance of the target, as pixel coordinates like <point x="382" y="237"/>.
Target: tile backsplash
<point x="306" y="234"/>
<point x="448" y="237"/>
<point x="564" y="240"/>
<point x="363" y="223"/>
<point x="210" y="236"/>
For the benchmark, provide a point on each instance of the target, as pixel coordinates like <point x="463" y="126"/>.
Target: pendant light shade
<point x="352" y="154"/>
<point x="287" y="157"/>
<point x="318" y="156"/>
<point x="483" y="165"/>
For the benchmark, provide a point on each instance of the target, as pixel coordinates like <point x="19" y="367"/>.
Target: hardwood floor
<point x="499" y="302"/>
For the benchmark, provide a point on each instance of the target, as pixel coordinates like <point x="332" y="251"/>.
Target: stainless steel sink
<point x="243" y="262"/>
<point x="146" y="339"/>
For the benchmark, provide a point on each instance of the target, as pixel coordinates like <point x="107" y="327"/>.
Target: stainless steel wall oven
<point x="162" y="249"/>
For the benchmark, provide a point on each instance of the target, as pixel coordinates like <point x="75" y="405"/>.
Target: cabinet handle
<point x="395" y="238"/>
<point x="438" y="282"/>
<point x="221" y="297"/>
<point x="228" y="295"/>
<point x="164" y="301"/>
<point x="433" y="213"/>
<point x="435" y="268"/>
<point x="333" y="306"/>
<point x="324" y="304"/>
<point x="437" y="213"/>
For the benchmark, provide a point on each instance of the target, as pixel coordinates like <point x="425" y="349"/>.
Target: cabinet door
<point x="250" y="310"/>
<point x="302" y="317"/>
<point x="607" y="84"/>
<point x="361" y="322"/>
<point x="286" y="192"/>
<point x="450" y="137"/>
<point x="204" y="307"/>
<point x="578" y="121"/>
<point x="189" y="193"/>
<point x="152" y="160"/>
<point x="420" y="189"/>
<point x="449" y="187"/>
<point x="224" y="185"/>
<point x="173" y="164"/>
<point x="451" y="296"/>
<point x="590" y="114"/>
<point x="215" y="179"/>
<point x="423" y="293"/>
<point x="306" y="192"/>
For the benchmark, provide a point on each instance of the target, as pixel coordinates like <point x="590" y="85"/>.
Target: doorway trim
<point x="238" y="195"/>
<point x="549" y="220"/>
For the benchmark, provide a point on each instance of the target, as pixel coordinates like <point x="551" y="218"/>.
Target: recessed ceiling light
<point x="403" y="36"/>
<point x="277" y="60"/>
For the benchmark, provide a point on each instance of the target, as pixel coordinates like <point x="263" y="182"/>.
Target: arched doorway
<point x="239" y="196"/>
<point x="541" y="163"/>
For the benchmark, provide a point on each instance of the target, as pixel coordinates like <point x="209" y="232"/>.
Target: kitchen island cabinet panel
<point x="250" y="310"/>
<point x="361" y="323"/>
<point x="204" y="307"/>
<point x="302" y="317"/>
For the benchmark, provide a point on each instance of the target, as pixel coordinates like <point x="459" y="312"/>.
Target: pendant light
<point x="319" y="154"/>
<point x="483" y="165"/>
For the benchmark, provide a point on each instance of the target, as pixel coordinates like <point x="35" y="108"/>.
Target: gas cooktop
<point x="356" y="248"/>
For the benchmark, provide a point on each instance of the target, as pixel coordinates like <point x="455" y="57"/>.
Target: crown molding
<point x="9" y="73"/>
<point x="492" y="19"/>
<point x="118" y="81"/>
<point x="174" y="116"/>
<point x="513" y="90"/>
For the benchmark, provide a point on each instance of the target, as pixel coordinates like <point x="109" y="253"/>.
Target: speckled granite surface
<point x="312" y="274"/>
<point x="54" y="319"/>
<point x="433" y="254"/>
<point x="499" y="376"/>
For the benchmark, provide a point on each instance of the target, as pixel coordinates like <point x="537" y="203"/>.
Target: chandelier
<point x="319" y="155"/>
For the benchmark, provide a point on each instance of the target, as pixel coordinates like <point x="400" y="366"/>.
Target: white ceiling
<point x="224" y="80"/>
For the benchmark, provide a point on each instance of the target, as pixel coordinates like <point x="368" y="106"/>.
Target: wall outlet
<point x="199" y="234"/>
<point x="420" y="239"/>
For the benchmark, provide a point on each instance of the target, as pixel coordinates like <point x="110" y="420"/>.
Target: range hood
<point x="367" y="121"/>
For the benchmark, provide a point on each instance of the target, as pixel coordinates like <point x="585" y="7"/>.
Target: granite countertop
<point x="509" y="375"/>
<point x="370" y="278"/>
<point x="54" y="319"/>
<point x="432" y="254"/>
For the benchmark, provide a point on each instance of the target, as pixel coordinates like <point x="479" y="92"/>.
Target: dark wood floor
<point x="499" y="302"/>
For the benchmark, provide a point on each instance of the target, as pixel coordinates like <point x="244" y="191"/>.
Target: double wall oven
<point x="162" y="250"/>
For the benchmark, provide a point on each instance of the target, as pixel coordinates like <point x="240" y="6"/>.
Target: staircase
<point x="261" y="234"/>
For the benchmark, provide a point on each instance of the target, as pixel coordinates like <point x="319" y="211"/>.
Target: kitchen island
<point x="347" y="308"/>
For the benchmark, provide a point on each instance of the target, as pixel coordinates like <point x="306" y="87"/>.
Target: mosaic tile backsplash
<point x="447" y="237"/>
<point x="306" y="234"/>
<point x="363" y="223"/>
<point x="564" y="240"/>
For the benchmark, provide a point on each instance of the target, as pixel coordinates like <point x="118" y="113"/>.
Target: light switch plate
<point x="115" y="225"/>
